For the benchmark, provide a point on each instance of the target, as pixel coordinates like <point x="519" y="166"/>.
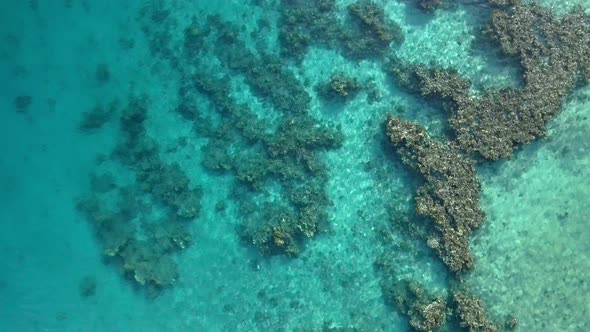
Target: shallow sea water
<point x="66" y="57"/>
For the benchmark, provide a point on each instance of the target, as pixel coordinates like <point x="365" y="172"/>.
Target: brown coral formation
<point x="128" y="232"/>
<point x="450" y="194"/>
<point x="428" y="5"/>
<point x="142" y="246"/>
<point x="374" y="33"/>
<point x="554" y="59"/>
<point x="166" y="182"/>
<point x="472" y="314"/>
<point x="340" y="87"/>
<point x="288" y="157"/>
<point x="22" y="103"/>
<point x="460" y="310"/>
<point x="97" y="117"/>
<point x="262" y="155"/>
<point x="426" y="312"/>
<point x="367" y="33"/>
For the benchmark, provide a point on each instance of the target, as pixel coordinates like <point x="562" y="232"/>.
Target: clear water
<point x="533" y="253"/>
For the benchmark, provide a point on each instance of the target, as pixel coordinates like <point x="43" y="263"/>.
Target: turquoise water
<point x="173" y="166"/>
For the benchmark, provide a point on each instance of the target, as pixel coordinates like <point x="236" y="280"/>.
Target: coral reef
<point x="306" y="23"/>
<point x="428" y="5"/>
<point x="148" y="266"/>
<point x="511" y="323"/>
<point x="262" y="156"/>
<point x="166" y="182"/>
<point x="340" y="87"/>
<point x="97" y="117"/>
<point x="551" y="49"/>
<point x="102" y="183"/>
<point x="87" y="286"/>
<point x="22" y="103"/>
<point x="444" y="87"/>
<point x="367" y="33"/>
<point x="276" y="235"/>
<point x="374" y="32"/>
<point x="287" y="157"/>
<point x="272" y="153"/>
<point x="142" y="246"/>
<point x="268" y="78"/>
<point x="457" y="311"/>
<point x="553" y="59"/>
<point x="130" y="233"/>
<point x="425" y="312"/>
<point x="450" y="194"/>
<point x="471" y="313"/>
